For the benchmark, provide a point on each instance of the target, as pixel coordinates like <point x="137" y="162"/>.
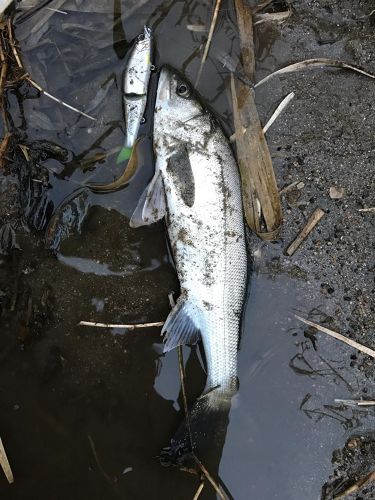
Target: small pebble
<point x="336" y="193"/>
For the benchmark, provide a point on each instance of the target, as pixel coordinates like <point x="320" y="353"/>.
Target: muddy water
<point x="85" y="411"/>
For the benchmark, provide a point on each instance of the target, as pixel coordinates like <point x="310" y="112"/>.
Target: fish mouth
<point x="164" y="85"/>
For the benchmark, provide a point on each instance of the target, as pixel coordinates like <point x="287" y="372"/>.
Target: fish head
<point x="178" y="112"/>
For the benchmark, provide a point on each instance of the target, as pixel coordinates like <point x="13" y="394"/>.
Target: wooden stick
<point x="288" y="187"/>
<point x="4" y="462"/>
<point x="199" y="491"/>
<point x="260" y="194"/>
<point x="311" y="223"/>
<point x="114" y="325"/>
<point x="259" y="187"/>
<point x="245" y="27"/>
<point x="208" y="43"/>
<point x="356" y="402"/>
<point x="371" y="209"/>
<point x="338" y="336"/>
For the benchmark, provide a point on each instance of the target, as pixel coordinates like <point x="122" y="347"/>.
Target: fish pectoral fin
<point x="151" y="206"/>
<point x="181" y="326"/>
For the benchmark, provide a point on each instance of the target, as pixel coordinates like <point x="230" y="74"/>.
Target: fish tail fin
<point x="205" y="436"/>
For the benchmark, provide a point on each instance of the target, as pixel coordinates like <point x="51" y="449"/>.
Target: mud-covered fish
<point x="136" y="80"/>
<point x="196" y="187"/>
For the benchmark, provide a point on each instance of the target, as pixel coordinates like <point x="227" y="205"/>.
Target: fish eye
<point x="141" y="37"/>
<point x="183" y="90"/>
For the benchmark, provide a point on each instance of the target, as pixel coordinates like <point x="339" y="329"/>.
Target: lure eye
<point x="183" y="90"/>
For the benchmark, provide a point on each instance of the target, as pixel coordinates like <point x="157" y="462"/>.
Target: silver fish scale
<point x="207" y="238"/>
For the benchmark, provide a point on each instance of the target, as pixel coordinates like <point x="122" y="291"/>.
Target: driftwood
<point x="259" y="188"/>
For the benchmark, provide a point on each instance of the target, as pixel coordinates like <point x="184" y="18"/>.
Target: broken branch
<point x="311" y="223"/>
<point x="208" y="43"/>
<point x="114" y="325"/>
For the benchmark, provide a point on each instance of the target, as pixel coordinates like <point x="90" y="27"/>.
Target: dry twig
<point x="356" y="402"/>
<point x="288" y="187"/>
<point x="314" y="63"/>
<point x="371" y="209"/>
<point x="4" y="462"/>
<point x="114" y="325"/>
<point x="338" y="336"/>
<point x="208" y="43"/>
<point x="310" y="224"/>
<point x="199" y="491"/>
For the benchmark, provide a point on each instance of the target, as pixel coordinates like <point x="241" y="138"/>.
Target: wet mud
<point x="85" y="411"/>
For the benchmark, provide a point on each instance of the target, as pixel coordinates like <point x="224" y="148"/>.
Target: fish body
<point x="196" y="187"/>
<point x="136" y="80"/>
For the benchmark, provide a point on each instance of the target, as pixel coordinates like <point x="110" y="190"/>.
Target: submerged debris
<point x="352" y="472"/>
<point x="67" y="219"/>
<point x="8" y="238"/>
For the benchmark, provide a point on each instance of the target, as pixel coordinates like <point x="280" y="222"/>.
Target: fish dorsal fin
<point x="179" y="168"/>
<point x="151" y="206"/>
<point x="182" y="325"/>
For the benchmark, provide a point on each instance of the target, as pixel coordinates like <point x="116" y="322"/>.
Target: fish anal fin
<point x="182" y="325"/>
